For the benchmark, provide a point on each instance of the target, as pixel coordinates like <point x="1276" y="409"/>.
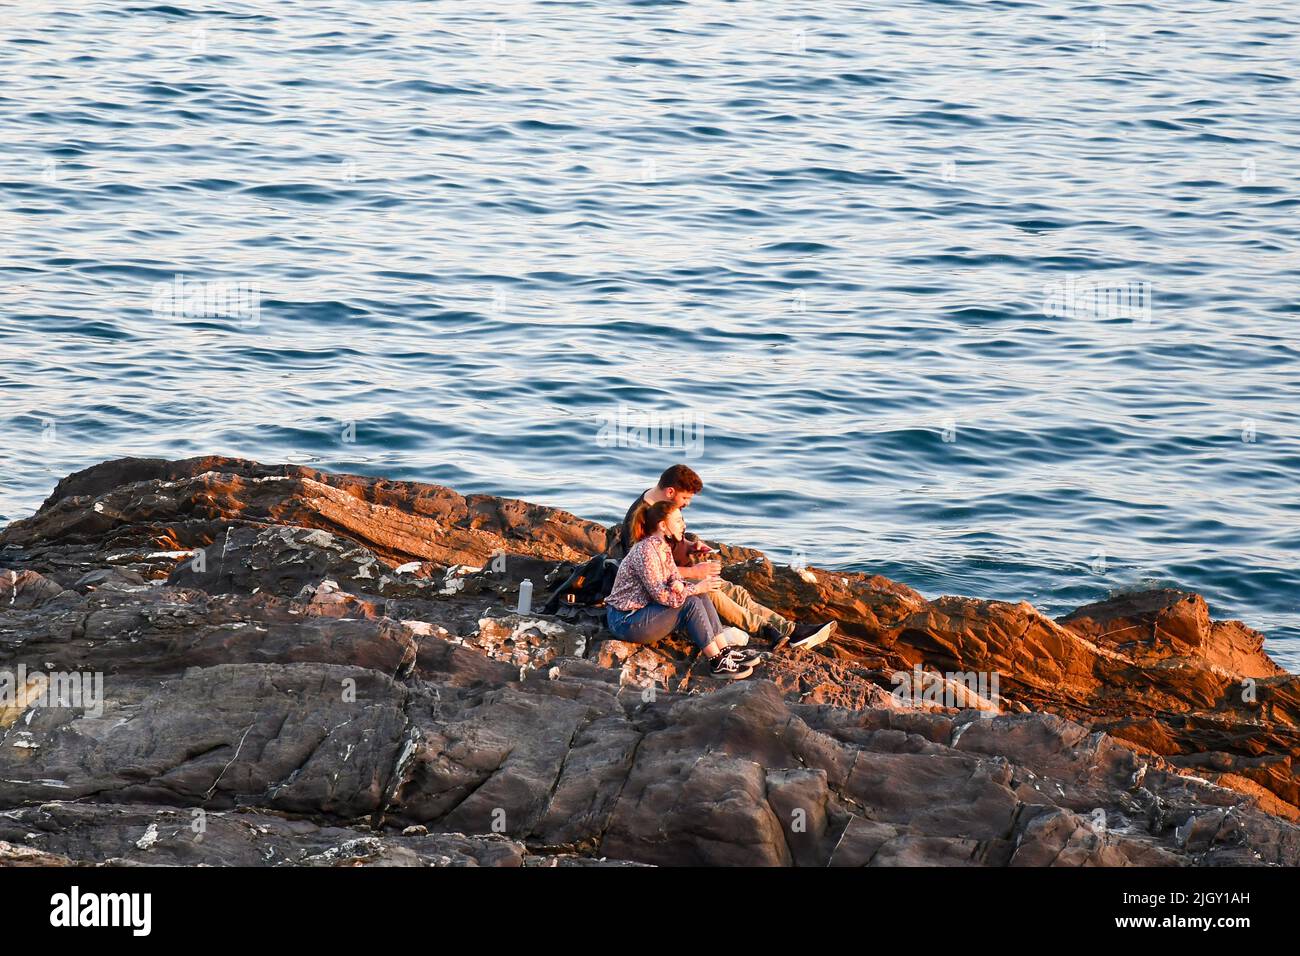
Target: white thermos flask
<point x="525" y="596"/>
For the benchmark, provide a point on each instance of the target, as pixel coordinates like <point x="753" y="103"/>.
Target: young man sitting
<point x="650" y="599"/>
<point x="735" y="606"/>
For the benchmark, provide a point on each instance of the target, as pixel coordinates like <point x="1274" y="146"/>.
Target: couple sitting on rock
<point x="666" y="582"/>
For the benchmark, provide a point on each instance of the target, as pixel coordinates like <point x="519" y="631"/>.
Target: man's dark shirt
<point x="625" y="537"/>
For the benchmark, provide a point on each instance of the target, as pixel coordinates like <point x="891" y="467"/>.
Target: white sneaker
<point x="732" y="637"/>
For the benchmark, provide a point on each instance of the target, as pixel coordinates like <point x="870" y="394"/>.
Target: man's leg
<point x="737" y="607"/>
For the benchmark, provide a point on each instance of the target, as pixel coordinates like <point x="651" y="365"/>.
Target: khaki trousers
<point x="737" y="607"/>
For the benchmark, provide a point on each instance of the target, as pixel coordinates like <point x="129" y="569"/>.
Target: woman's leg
<point x="656" y="621"/>
<point x="652" y="623"/>
<point x="715" y="619"/>
<point x="701" y="622"/>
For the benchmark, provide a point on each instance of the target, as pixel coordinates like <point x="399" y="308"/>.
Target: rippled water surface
<point x="817" y="238"/>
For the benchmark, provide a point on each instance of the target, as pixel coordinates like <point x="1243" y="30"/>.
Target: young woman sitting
<point x="650" y="600"/>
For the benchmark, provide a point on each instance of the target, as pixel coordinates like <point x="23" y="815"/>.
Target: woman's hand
<point x="710" y="583"/>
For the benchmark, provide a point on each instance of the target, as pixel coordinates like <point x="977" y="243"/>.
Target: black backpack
<point x="587" y="586"/>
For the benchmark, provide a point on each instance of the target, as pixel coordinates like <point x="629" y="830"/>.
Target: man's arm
<point x="688" y="549"/>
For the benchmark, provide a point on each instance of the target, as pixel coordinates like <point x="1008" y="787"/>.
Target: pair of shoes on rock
<point x="803" y="635"/>
<point x="736" y="662"/>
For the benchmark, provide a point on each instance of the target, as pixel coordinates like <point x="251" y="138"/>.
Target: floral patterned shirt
<point x="648" y="575"/>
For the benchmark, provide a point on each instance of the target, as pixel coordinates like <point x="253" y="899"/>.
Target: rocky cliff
<point x="316" y="669"/>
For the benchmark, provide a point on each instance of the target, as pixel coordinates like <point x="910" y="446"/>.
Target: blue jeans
<point x="656" y="621"/>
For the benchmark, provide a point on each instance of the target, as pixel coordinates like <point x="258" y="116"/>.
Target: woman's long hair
<point x="650" y="518"/>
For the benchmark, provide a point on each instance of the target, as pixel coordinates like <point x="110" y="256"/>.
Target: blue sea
<point x="994" y="298"/>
